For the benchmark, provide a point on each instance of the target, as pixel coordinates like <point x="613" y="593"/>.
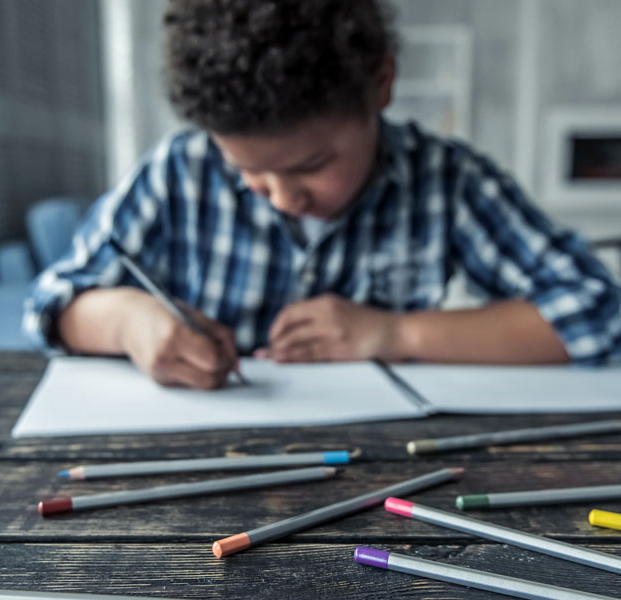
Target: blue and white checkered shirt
<point x="433" y="208"/>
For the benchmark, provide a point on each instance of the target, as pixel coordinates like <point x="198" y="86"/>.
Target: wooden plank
<point x="367" y="442"/>
<point x="380" y="441"/>
<point x="22" y="362"/>
<point x="275" y="571"/>
<point x="208" y="517"/>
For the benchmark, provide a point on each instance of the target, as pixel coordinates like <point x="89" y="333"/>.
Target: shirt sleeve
<point x="134" y="212"/>
<point x="510" y="249"/>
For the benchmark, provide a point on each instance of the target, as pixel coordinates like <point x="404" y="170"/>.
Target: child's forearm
<point x="95" y="320"/>
<point x="512" y="331"/>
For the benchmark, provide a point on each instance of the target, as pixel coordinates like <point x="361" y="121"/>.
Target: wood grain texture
<point x="305" y="571"/>
<point x="163" y="548"/>
<point x="203" y="517"/>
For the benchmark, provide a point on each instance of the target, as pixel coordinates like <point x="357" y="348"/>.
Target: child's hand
<point x="171" y="352"/>
<point x="330" y="328"/>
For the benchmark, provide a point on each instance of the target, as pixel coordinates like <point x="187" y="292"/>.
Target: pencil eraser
<point x="371" y="556"/>
<point x="59" y="505"/>
<point x="398" y="506"/>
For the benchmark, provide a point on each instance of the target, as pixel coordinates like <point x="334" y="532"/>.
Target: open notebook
<point x="81" y="396"/>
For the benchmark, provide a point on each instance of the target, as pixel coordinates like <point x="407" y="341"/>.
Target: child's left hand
<point x="330" y="328"/>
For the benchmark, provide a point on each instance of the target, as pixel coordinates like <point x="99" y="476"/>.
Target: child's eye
<point x="312" y="168"/>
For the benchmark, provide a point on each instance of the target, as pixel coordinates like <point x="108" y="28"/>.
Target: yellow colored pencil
<point x="603" y="518"/>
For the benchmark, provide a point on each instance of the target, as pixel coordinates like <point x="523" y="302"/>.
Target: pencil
<point x="160" y="293"/>
<point x="212" y="486"/>
<point x="241" y="541"/>
<point x="481" y="580"/>
<point x="489" y="531"/>
<point x="207" y="464"/>
<point x="27" y="595"/>
<point x="537" y="497"/>
<point x="428" y="446"/>
<point x="603" y="518"/>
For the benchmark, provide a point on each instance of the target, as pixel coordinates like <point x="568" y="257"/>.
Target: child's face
<point x="315" y="168"/>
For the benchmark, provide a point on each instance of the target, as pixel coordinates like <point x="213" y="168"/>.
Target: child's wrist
<point x="128" y="301"/>
<point x="406" y="336"/>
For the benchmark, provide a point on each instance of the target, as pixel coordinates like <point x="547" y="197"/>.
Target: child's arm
<point x="83" y="302"/>
<point x="131" y="322"/>
<point x="551" y="300"/>
<point x="332" y="328"/>
<point x="511" y="331"/>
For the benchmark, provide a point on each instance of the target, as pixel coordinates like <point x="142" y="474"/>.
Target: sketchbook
<point x="89" y="396"/>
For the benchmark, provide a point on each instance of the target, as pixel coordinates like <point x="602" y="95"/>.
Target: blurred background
<point x="534" y="83"/>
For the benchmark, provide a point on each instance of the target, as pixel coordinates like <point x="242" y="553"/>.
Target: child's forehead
<point x="285" y="148"/>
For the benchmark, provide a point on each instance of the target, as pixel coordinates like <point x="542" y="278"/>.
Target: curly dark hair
<point x="257" y="66"/>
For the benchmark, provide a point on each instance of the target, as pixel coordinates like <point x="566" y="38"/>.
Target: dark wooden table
<point x="164" y="548"/>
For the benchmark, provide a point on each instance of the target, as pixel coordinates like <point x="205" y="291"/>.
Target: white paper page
<point x="500" y="389"/>
<point x="80" y="396"/>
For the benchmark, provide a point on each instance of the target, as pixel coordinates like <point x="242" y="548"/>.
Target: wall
<point x="528" y="57"/>
<point x="51" y="118"/>
<point x="579" y="58"/>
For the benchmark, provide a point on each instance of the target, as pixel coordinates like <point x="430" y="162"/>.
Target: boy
<point x="299" y="225"/>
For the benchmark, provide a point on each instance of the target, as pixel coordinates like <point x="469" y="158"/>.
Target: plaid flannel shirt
<point x="432" y="208"/>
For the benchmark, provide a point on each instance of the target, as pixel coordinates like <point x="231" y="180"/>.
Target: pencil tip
<point x="217" y="549"/>
<point x="64" y="474"/>
<point x="458" y="470"/>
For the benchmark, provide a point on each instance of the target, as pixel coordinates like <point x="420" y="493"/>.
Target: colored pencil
<point x="481" y="580"/>
<point x="212" y="486"/>
<point x="537" y="497"/>
<point x="429" y="446"/>
<point x="162" y="295"/>
<point x="412" y="393"/>
<point x="26" y="595"/>
<point x="603" y="518"/>
<point x="536" y="543"/>
<point x="273" y="531"/>
<point x="207" y="464"/>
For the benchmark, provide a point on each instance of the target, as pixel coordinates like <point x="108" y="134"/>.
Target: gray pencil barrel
<point x="152" y="287"/>
<point x="492" y="582"/>
<point x="201" y="487"/>
<point x="203" y="464"/>
<point x="428" y="446"/>
<point x="536" y="543"/>
<point x="325" y="513"/>
<point x="6" y="594"/>
<point x="536" y="497"/>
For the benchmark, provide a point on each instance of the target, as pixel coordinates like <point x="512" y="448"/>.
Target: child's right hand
<point x="172" y="353"/>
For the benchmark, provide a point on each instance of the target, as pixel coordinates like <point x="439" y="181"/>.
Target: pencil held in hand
<point x="167" y="301"/>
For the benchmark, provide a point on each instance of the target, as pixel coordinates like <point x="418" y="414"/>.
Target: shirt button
<point x="308" y="277"/>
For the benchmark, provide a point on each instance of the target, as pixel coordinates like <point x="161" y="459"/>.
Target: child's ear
<point x="384" y="79"/>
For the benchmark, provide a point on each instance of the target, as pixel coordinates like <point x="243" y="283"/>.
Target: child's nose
<point x="288" y="198"/>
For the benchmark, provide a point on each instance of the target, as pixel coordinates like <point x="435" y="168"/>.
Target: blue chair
<point x="50" y="225"/>
<point x="16" y="266"/>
